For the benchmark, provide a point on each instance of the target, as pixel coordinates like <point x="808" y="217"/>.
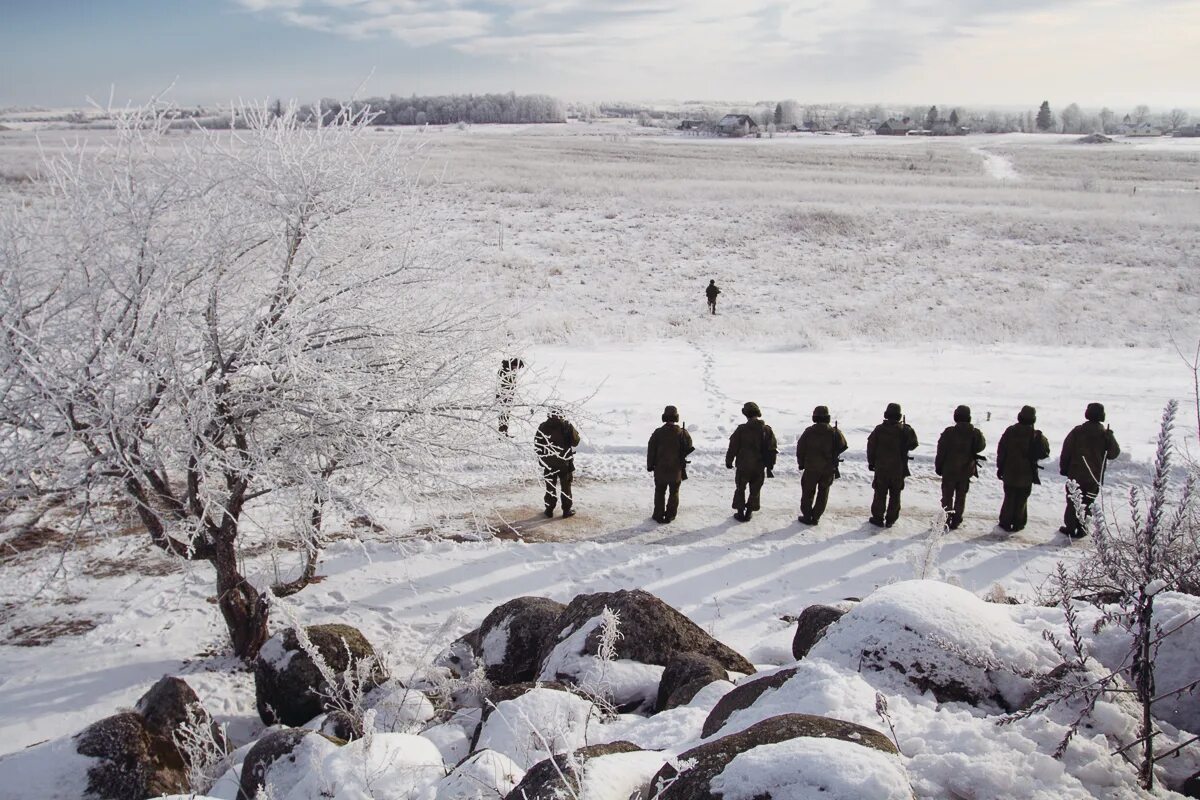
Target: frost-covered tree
<point x="1045" y="119"/>
<point x="1072" y="119"/>
<point x="1175" y="119"/>
<point x="232" y="321"/>
<point x="931" y="117"/>
<point x="1141" y="113"/>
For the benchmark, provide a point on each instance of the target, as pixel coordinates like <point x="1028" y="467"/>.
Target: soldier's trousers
<point x="712" y="306"/>
<point x="1014" y="510"/>
<point x="954" y="498"/>
<point x="744" y="479"/>
<point x="668" y="491"/>
<point x="563" y="480"/>
<point x="814" y="493"/>
<point x="886" y="504"/>
<point x="1071" y="516"/>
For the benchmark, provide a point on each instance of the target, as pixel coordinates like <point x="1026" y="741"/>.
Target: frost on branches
<point x="233" y="320"/>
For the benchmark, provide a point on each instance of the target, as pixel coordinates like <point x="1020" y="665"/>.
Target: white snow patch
<point x="399" y="709"/>
<point x="51" y="771"/>
<point x="495" y="643"/>
<point x="622" y="681"/>
<point x="666" y="730"/>
<point x="487" y="775"/>
<point x="619" y="776"/>
<point x="536" y="725"/>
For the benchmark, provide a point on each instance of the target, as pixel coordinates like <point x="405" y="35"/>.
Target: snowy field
<point x="990" y="271"/>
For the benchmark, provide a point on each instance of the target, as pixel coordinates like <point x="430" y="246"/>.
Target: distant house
<point x="1189" y="130"/>
<point x="1138" y="129"/>
<point x="737" y="125"/>
<point x="692" y="124"/>
<point x="894" y="127"/>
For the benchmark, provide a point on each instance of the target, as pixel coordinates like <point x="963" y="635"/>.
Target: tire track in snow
<point x="998" y="166"/>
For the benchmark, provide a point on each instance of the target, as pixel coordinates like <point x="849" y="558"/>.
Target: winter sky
<point x="1002" y="52"/>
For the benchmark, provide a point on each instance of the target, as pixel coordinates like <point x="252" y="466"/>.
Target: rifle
<point x="837" y="472"/>
<point x="682" y="455"/>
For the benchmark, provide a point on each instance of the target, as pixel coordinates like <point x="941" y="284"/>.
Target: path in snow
<point x="999" y="167"/>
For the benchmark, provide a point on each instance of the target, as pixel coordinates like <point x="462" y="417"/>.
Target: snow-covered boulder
<point x="613" y="771"/>
<point x="487" y="775"/>
<point x="513" y="636"/>
<point x="811" y="626"/>
<point x="536" y="725"/>
<point x="281" y="759"/>
<point x="338" y="724"/>
<point x="397" y="766"/>
<point x="743" y="696"/>
<point x="649" y="633"/>
<point x="399" y="708"/>
<point x="940" y="639"/>
<point x="289" y="688"/>
<point x="461" y="658"/>
<point x="752" y="765"/>
<point x="685" y="675"/>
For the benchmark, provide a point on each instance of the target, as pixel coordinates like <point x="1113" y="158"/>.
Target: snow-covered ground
<point x="855" y="273"/>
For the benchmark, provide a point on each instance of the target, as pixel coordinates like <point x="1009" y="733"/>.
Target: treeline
<point x="448" y="109"/>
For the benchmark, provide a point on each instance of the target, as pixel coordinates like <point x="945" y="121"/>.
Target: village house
<point x="894" y="127"/>
<point x="737" y="125"/>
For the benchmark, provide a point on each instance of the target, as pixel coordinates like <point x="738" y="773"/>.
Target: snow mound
<point x="812" y="769"/>
<point x="487" y="775"/>
<point x="619" y="776"/>
<point x="940" y="639"/>
<point x="393" y="765"/>
<point x="668" y="729"/>
<point x="536" y="725"/>
<point x="57" y="770"/>
<point x="399" y="709"/>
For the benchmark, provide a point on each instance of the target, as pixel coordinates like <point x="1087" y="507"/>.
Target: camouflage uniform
<point x="666" y="456"/>
<point x="711" y="292"/>
<point x="753" y="448"/>
<point x="1085" y="452"/>
<point x="1021" y="447"/>
<point x="555" y="443"/>
<point x="888" y="447"/>
<point x="956" y="462"/>
<point x="817" y="452"/>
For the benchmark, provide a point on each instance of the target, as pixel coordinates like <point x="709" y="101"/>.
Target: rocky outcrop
<point x="513" y="636"/>
<point x="131" y="762"/>
<point x="275" y="746"/>
<point x="289" y="688"/>
<point x="810" y="627"/>
<point x="710" y="759"/>
<point x="743" y="696"/>
<point x="685" y="675"/>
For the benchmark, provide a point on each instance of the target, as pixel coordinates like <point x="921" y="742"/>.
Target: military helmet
<point x="751" y="410"/>
<point x="670" y="414"/>
<point x="892" y="412"/>
<point x="820" y="414"/>
<point x="1094" y="412"/>
<point x="962" y="414"/>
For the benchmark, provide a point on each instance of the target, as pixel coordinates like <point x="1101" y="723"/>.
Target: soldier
<point x="888" y="447"/>
<point x="1085" y="452"/>
<point x="817" y="452"/>
<point x="506" y="392"/>
<point x="753" y="447"/>
<point x="1021" y="447"/>
<point x="666" y="457"/>
<point x="711" y="293"/>
<point x="957" y="461"/>
<point x="555" y="443"/>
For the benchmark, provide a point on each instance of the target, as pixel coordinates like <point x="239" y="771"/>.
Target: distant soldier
<point x="666" y="457"/>
<point x="817" y="452"/>
<point x="711" y="293"/>
<point x="555" y="443"/>
<point x="1085" y="452"/>
<point x="957" y="461"/>
<point x="888" y="447"/>
<point x="506" y="392"/>
<point x="1021" y="448"/>
<point x="753" y="448"/>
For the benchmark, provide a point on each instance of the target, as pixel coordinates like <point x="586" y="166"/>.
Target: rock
<point x="711" y="758"/>
<point x="810" y="627"/>
<point x="172" y="703"/>
<point x="266" y="751"/>
<point x="288" y="687"/>
<point x="686" y="674"/>
<point x="341" y="725"/>
<point x="513" y="636"/>
<point x="560" y="776"/>
<point x="132" y="763"/>
<point x="536" y="725"/>
<point x="511" y="692"/>
<point x="1191" y="787"/>
<point x="652" y="632"/>
<point x="487" y="775"/>
<point x="743" y="696"/>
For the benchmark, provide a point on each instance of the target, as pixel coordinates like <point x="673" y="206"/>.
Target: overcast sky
<point x="967" y="52"/>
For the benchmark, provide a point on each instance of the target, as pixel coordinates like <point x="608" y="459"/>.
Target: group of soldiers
<point x="753" y="449"/>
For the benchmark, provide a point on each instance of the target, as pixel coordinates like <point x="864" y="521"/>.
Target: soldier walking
<point x="957" y="461"/>
<point x="1021" y="447"/>
<point x="1085" y="452"/>
<point x="555" y="443"/>
<point x="753" y="448"/>
<point x="817" y="452"/>
<point x="888" y="447"/>
<point x="666" y="457"/>
<point x="711" y="293"/>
